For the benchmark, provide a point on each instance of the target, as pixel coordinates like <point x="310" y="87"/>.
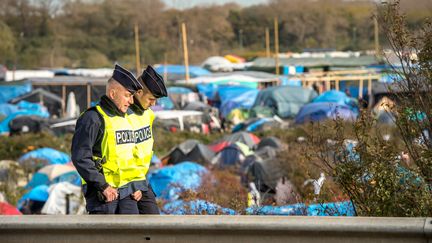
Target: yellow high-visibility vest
<point x="143" y="124"/>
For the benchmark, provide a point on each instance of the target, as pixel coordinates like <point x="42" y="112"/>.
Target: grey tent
<point x="265" y="173"/>
<point x="244" y="137"/>
<point x="191" y="150"/>
<point x="283" y="101"/>
<point x="271" y="142"/>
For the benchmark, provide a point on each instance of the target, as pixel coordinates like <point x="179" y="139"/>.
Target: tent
<point x="168" y="182"/>
<point x="337" y="97"/>
<point x="271" y="142"/>
<point x="315" y="112"/>
<point x="55" y="173"/>
<point x="196" y="207"/>
<point x="283" y="101"/>
<point x="265" y="173"/>
<point x="38" y="194"/>
<point x="7" y="209"/>
<point x="244" y="137"/>
<point x="232" y="97"/>
<point x="190" y="150"/>
<point x="51" y="155"/>
<point x="232" y="155"/>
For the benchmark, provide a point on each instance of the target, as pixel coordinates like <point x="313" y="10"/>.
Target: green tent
<point x="283" y="101"/>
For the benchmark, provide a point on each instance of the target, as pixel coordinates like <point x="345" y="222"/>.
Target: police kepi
<point x="154" y="82"/>
<point x="126" y="79"/>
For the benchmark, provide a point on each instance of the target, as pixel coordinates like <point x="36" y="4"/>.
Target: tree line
<point x="96" y="33"/>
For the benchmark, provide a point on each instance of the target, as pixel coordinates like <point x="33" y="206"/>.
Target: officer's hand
<point x="137" y="195"/>
<point x="110" y="194"/>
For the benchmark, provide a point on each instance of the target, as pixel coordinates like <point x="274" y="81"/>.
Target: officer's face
<point x="122" y="98"/>
<point x="146" y="99"/>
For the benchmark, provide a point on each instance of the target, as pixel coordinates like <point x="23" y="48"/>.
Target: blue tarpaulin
<point x="169" y="182"/>
<point x="178" y="90"/>
<point x="345" y="208"/>
<point x="180" y="71"/>
<point x="51" y="155"/>
<point x="12" y="90"/>
<point x="196" y="207"/>
<point x="24" y="108"/>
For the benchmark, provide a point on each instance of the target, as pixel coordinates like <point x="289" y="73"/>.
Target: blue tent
<point x="169" y="182"/>
<point x="196" y="207"/>
<point x="244" y="99"/>
<point x="315" y="112"/>
<point x="42" y="179"/>
<point x="345" y="208"/>
<point x="335" y="96"/>
<point x="39" y="193"/>
<point x="51" y="155"/>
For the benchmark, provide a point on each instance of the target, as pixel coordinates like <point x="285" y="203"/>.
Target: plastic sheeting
<point x="56" y="203"/>
<point x="196" y="207"/>
<point x="12" y="90"/>
<point x="169" y="182"/>
<point x="345" y="208"/>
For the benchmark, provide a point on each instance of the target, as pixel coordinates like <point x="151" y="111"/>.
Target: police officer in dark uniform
<point x="152" y="87"/>
<point x="103" y="148"/>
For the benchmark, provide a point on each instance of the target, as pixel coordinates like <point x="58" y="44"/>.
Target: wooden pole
<point x="267" y="42"/>
<point x="276" y="27"/>
<point x="165" y="74"/>
<point x="185" y="51"/>
<point x="88" y="95"/>
<point x="337" y="84"/>
<point x="137" y="51"/>
<point x="360" y="88"/>
<point x="369" y="85"/>
<point x="63" y="99"/>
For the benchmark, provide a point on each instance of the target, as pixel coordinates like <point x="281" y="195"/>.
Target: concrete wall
<point x="235" y="229"/>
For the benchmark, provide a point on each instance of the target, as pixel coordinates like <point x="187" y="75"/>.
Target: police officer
<point x="152" y="87"/>
<point x="103" y="148"/>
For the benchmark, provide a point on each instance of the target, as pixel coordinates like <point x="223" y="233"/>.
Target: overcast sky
<point x="181" y="4"/>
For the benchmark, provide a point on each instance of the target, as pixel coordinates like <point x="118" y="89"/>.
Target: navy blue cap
<point x="154" y="82"/>
<point x="126" y="79"/>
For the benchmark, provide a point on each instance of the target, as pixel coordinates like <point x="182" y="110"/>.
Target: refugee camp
<point x="242" y="108"/>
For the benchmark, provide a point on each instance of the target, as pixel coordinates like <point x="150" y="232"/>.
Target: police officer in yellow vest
<point x="152" y="87"/>
<point x="104" y="151"/>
